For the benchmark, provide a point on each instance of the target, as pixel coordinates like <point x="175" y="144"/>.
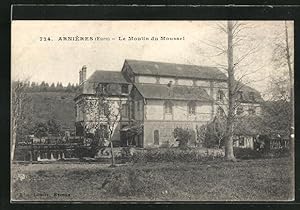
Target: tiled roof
<point x="107" y="77"/>
<point x="178" y="70"/>
<point x="158" y="91"/>
<point x="246" y="92"/>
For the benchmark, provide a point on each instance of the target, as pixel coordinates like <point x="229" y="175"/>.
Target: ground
<point x="261" y="179"/>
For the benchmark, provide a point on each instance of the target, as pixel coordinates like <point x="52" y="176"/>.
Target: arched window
<point x="168" y="107"/>
<point x="192" y="107"/>
<point x="251" y="96"/>
<point x="220" y="95"/>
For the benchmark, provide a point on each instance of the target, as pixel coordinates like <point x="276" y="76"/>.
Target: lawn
<point x="247" y="180"/>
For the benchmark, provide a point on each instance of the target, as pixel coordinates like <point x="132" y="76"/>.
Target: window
<point x="192" y="107"/>
<point x="125" y="110"/>
<point x="156" y="137"/>
<point x="239" y="110"/>
<point x="133" y="110"/>
<point x="220" y="95"/>
<point x="242" y="141"/>
<point x="251" y="111"/>
<point x="220" y="112"/>
<point x="124" y="88"/>
<point x="138" y="106"/>
<point x="168" y="107"/>
<point x="240" y="95"/>
<point x="101" y="88"/>
<point x="251" y="96"/>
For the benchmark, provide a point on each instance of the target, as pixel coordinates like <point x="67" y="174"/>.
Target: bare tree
<point x="18" y="100"/>
<point x="103" y="110"/>
<point x="282" y="82"/>
<point x="236" y="58"/>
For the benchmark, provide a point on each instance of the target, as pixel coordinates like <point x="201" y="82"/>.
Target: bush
<point x="175" y="155"/>
<point x="184" y="136"/>
<point x="136" y="182"/>
<point x="248" y="153"/>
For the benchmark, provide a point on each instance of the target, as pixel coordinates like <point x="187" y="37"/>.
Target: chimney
<point x="84" y="73"/>
<point x="80" y="77"/>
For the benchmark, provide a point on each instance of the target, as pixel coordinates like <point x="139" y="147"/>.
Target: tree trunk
<point x="14" y="140"/>
<point x="112" y="152"/>
<point x="230" y="117"/>
<point x="291" y="88"/>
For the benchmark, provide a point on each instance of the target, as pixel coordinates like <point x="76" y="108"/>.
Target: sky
<point x="37" y="59"/>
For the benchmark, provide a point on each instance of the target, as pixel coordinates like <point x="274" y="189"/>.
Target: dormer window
<point x="192" y="107"/>
<point x="124" y="89"/>
<point x="101" y="88"/>
<point x="251" y="96"/>
<point x="220" y="95"/>
<point x="240" y="95"/>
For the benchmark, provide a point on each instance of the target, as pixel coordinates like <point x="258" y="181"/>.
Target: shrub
<point x="175" y="155"/>
<point x="246" y="153"/>
<point x="136" y="182"/>
<point x="184" y="136"/>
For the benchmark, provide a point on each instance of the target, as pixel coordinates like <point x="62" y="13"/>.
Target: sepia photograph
<point x="152" y="111"/>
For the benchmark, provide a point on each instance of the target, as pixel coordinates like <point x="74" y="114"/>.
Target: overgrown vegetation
<point x="184" y="136"/>
<point x="175" y="155"/>
<point x="249" y="180"/>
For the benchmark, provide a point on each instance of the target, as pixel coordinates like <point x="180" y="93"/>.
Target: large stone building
<point x="160" y="97"/>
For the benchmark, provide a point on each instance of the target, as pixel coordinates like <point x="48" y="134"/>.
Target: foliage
<point x="42" y="129"/>
<point x="184" y="136"/>
<point x="277" y="115"/>
<point x="215" y="133"/>
<point x="46" y="87"/>
<point x="53" y="127"/>
<point x="175" y="155"/>
<point x="82" y="152"/>
<point x="132" y="182"/>
<point x="248" y="153"/>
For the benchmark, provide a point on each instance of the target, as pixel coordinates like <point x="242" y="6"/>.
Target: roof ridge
<point x="107" y="71"/>
<point x="170" y="63"/>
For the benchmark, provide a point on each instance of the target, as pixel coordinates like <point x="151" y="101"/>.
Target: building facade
<point x="162" y="96"/>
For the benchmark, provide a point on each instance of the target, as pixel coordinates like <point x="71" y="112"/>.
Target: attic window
<point x="240" y="95"/>
<point x="124" y="88"/>
<point x="251" y="96"/>
<point x="239" y="110"/>
<point x="101" y="88"/>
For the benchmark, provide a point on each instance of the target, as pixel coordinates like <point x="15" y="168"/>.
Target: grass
<point x="247" y="180"/>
